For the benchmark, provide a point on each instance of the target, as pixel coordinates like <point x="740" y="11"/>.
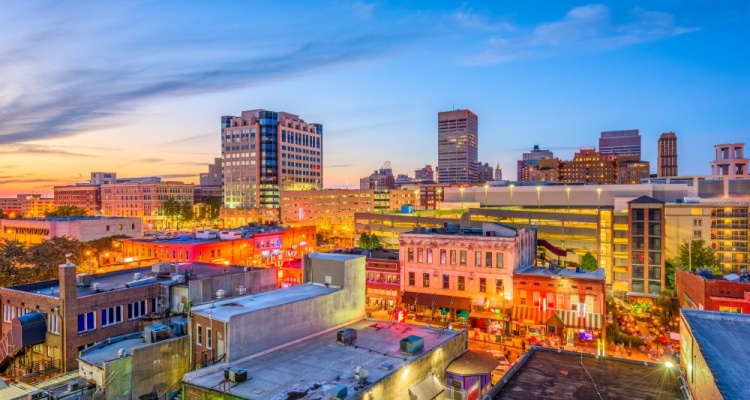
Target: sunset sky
<point x="138" y="87"/>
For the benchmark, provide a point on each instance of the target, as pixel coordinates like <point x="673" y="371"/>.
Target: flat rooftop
<point x="117" y="279"/>
<point x="562" y="272"/>
<point x="226" y="309"/>
<point x="549" y="375"/>
<point x="105" y="352"/>
<point x="722" y="338"/>
<point x="70" y="219"/>
<point x="313" y="367"/>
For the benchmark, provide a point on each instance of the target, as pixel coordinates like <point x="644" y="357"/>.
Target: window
<point x="461" y="283"/>
<point x="589" y="303"/>
<point x="208" y="338"/>
<point x="199" y="335"/>
<point x="86" y="322"/>
<point x="477" y="258"/>
<point x="21" y="311"/>
<point x="420" y="255"/>
<point x="429" y="256"/>
<point x="462" y="257"/>
<point x="482" y="285"/>
<point x="446" y="282"/>
<point x="411" y="278"/>
<point x="560" y="301"/>
<point x="500" y="259"/>
<point x="697" y="222"/>
<point x="498" y="286"/>
<point x="425" y="280"/>
<point x="453" y="257"/>
<point x="410" y="254"/>
<point x="137" y="309"/>
<point x="442" y="256"/>
<point x="697" y="234"/>
<point x="111" y="316"/>
<point x="574" y="300"/>
<point x="488" y="259"/>
<point x="7" y="312"/>
<point x="737" y="310"/>
<point x="522" y="297"/>
<point x="153" y="305"/>
<point x="53" y="323"/>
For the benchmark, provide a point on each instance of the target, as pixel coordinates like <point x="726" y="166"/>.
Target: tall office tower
<point x="458" y="142"/>
<point x="621" y="143"/>
<point x="530" y="161"/>
<point x="265" y="151"/>
<point x="666" y="156"/>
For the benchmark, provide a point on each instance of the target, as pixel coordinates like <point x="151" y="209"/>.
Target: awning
<point x="428" y="389"/>
<point x="571" y="319"/>
<point x="486" y="315"/>
<point x="437" y="300"/>
<point x="554" y="249"/>
<point x="530" y="313"/>
<point x="639" y="294"/>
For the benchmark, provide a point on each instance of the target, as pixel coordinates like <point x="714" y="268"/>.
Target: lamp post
<point x="486" y="192"/>
<point x="462" y="198"/>
<point x="567" y="191"/>
<point x="511" y="186"/>
<point x="539" y="197"/>
<point x="599" y="197"/>
<point x="416" y="199"/>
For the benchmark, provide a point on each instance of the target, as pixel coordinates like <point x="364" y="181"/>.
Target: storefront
<point x="577" y="328"/>
<point x="530" y="322"/>
<point x="436" y="307"/>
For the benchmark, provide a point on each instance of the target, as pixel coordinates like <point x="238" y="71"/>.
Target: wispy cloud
<point x="584" y="28"/>
<point x="66" y="96"/>
<point x="340" y="166"/>
<point x="190" y="138"/>
<point x="468" y="19"/>
<point x="177" y="176"/>
<point x="35" y="149"/>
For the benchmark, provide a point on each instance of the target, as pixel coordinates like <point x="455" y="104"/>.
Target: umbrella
<point x="662" y="339"/>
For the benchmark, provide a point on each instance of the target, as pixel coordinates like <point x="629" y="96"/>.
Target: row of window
<point x="199" y="337"/>
<point x="557" y="301"/>
<point x="459" y="285"/>
<point x="457" y="257"/>
<point x="113" y="315"/>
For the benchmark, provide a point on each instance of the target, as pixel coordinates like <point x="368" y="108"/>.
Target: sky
<point x="138" y="87"/>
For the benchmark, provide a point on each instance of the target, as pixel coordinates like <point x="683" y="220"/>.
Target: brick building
<point x="703" y="292"/>
<point x="87" y="197"/>
<point x="81" y="310"/>
<point x="143" y="199"/>
<point x="559" y="302"/>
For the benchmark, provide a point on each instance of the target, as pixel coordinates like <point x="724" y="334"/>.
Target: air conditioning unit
<point x="235" y="374"/>
<point x="346" y="337"/>
<point x="84" y="280"/>
<point x="156" y="332"/>
<point x="411" y="344"/>
<point x="179" y="328"/>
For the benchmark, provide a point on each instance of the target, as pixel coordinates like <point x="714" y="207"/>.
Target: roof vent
<point x="221" y="293"/>
<point x="411" y="344"/>
<point x="84" y="280"/>
<point x="236" y="375"/>
<point x="346" y="337"/>
<point x="241" y="289"/>
<point x="95" y="287"/>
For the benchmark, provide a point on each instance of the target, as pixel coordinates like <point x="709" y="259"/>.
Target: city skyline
<point x="129" y="91"/>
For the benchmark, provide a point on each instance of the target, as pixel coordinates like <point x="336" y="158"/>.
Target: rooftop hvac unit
<point x="137" y="276"/>
<point x="235" y="374"/>
<point x="346" y="337"/>
<point x="155" y="333"/>
<point x="221" y="293"/>
<point x="161" y="268"/>
<point x="84" y="280"/>
<point x="95" y="287"/>
<point x="340" y="392"/>
<point x="241" y="289"/>
<point x="141" y="282"/>
<point x="411" y="344"/>
<point x="179" y="327"/>
<point x="73" y="386"/>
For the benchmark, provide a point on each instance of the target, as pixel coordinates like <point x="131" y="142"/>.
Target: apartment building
<point x="144" y="200"/>
<point x="85" y="196"/>
<point x="463" y="274"/>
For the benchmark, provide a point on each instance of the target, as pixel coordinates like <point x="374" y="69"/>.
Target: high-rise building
<point x="213" y="176"/>
<point x="264" y="152"/>
<point x="666" y="156"/>
<point x="646" y="245"/>
<point x="380" y="179"/>
<point x="623" y="143"/>
<point x="730" y="160"/>
<point x="486" y="172"/>
<point x="498" y="173"/>
<point x="530" y="161"/>
<point x="458" y="143"/>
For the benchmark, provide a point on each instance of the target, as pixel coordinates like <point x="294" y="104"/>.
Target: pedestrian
<point x="523" y="345"/>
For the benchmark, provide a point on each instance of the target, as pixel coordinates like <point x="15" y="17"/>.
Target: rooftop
<point x="473" y="363"/>
<point x="547" y="374"/>
<point x="69" y="219"/>
<point x="722" y="338"/>
<point x="488" y="229"/>
<point x="313" y="367"/>
<point x="226" y="309"/>
<point x="108" y="349"/>
<point x="117" y="280"/>
<point x="563" y="273"/>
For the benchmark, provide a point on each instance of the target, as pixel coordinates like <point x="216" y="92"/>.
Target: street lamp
<point x="599" y="197"/>
<point x="416" y="199"/>
<point x="462" y="198"/>
<point x="567" y="190"/>
<point x="538" y="197"/>
<point x="511" y="186"/>
<point x="486" y="190"/>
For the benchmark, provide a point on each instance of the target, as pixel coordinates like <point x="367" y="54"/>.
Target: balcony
<point x="728" y="225"/>
<point x="729" y="237"/>
<point x="729" y="214"/>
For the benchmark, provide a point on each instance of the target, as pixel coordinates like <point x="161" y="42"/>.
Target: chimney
<point x="67" y="281"/>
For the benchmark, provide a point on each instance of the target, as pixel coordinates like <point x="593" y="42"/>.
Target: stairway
<point x="8" y="350"/>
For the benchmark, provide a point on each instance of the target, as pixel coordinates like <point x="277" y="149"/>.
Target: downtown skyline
<point x="139" y="88"/>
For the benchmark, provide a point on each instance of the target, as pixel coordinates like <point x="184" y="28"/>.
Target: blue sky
<point x="138" y="87"/>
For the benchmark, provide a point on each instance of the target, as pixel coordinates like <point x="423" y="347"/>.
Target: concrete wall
<point x="268" y="328"/>
<point x="255" y="281"/>
<point x="159" y="366"/>
<point x="397" y="384"/>
<point x="699" y="378"/>
<point x="117" y="380"/>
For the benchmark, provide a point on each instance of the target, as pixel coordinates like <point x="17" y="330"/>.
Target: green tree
<point x="588" y="262"/>
<point x="67" y="211"/>
<point x="364" y="241"/>
<point x="670" y="265"/>
<point x="170" y="208"/>
<point x="46" y="256"/>
<point x="697" y="254"/>
<point x="186" y="211"/>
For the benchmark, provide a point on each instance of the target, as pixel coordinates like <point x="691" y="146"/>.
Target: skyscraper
<point x="530" y="161"/>
<point x="621" y="143"/>
<point x="264" y="151"/>
<point x="458" y="142"/>
<point x="666" y="156"/>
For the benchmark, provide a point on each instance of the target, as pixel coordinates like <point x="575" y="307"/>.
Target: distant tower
<point x="622" y="143"/>
<point x="458" y="143"/>
<point x="498" y="173"/>
<point x="666" y="156"/>
<point x="730" y="160"/>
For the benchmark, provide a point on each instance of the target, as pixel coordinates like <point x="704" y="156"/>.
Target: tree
<point x="67" y="211"/>
<point x="670" y="265"/>
<point x="47" y="255"/>
<point x="186" y="211"/>
<point x="364" y="241"/>
<point x="588" y="262"/>
<point x="697" y="254"/>
<point x="369" y="242"/>
<point x="170" y="208"/>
